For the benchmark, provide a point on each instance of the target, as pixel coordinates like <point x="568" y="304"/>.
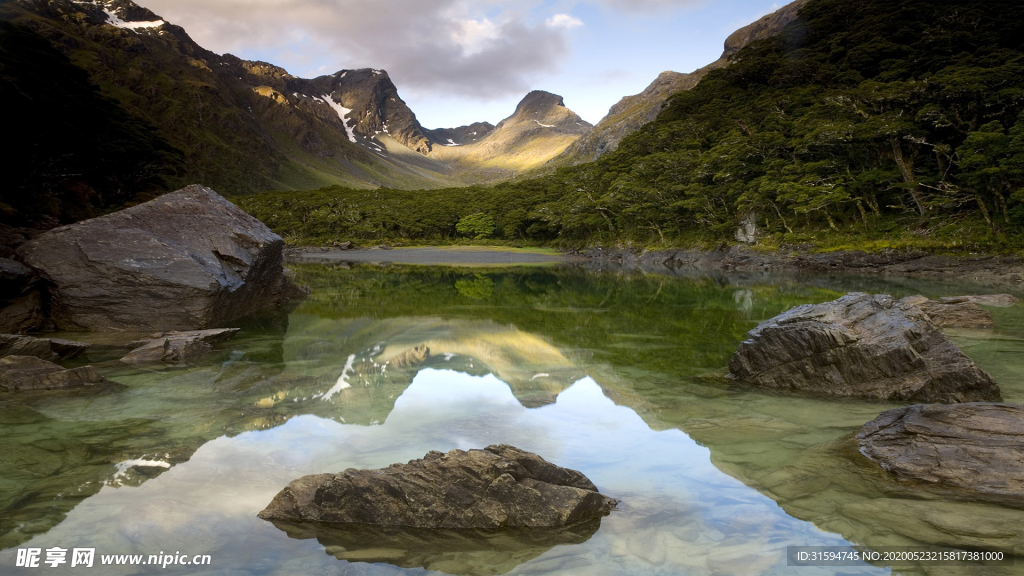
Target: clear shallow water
<point x="615" y="375"/>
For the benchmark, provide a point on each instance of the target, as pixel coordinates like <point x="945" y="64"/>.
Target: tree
<point x="477" y="225"/>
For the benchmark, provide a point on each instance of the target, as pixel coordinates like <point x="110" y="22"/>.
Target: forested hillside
<point x="72" y="153"/>
<point x="872" y="119"/>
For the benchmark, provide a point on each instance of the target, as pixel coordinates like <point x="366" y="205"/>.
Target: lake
<point x="618" y="374"/>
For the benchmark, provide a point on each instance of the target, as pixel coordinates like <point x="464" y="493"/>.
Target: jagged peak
<point x="764" y="27"/>
<point x="538" y="101"/>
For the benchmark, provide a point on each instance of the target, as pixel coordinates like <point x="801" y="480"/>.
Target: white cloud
<point x="566" y="21"/>
<point x="474" y="35"/>
<point x="478" y="48"/>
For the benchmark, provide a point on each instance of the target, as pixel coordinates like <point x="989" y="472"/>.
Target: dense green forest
<point x="878" y="121"/>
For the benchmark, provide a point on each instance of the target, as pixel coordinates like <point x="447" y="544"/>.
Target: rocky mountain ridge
<point x="461" y="135"/>
<point x="242" y="126"/>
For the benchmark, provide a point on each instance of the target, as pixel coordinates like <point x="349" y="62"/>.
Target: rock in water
<point x="498" y="487"/>
<point x="186" y="260"/>
<point x="975" y="448"/>
<point x="953" y="312"/>
<point x="31" y="373"/>
<point x="176" y="347"/>
<point x="873" y="347"/>
<point x="997" y="300"/>
<point x="51" y="349"/>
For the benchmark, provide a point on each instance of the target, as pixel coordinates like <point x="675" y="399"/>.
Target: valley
<point x="244" y="127"/>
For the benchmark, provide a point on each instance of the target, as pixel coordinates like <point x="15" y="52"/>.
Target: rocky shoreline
<point x="995" y="269"/>
<point x="1004" y="270"/>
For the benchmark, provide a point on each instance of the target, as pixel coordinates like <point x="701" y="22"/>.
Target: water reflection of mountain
<point x="353" y="349"/>
<point x="62" y="449"/>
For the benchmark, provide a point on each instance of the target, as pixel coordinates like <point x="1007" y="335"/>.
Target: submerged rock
<point x="186" y="260"/>
<point x="873" y="347"/>
<point x="176" y="347"/>
<point x="974" y="448"/>
<point x="997" y="300"/>
<point x="498" y="487"/>
<point x="31" y="373"/>
<point x="954" y="312"/>
<point x="51" y="349"/>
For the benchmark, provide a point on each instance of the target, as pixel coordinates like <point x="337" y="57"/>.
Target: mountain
<point x="632" y="112"/>
<point x="368" y="101"/>
<point x="235" y="125"/>
<point x="540" y="129"/>
<point x="895" y="127"/>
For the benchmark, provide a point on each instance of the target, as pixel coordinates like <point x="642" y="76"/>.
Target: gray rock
<point x="974" y="448"/>
<point x="176" y="347"/>
<point x="186" y="260"/>
<point x="19" y="373"/>
<point x="864" y="346"/>
<point x="498" y="487"/>
<point x="50" y="349"/>
<point x="954" y="312"/>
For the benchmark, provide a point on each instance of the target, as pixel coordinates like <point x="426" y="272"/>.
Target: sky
<point x="456" y="62"/>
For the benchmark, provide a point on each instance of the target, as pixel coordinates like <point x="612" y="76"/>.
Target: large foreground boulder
<point x="187" y="260"/>
<point x="864" y="346"/>
<point x="498" y="487"/>
<point x="19" y="373"/>
<point x="975" y="448"/>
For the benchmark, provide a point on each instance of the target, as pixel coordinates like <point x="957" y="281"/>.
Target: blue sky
<point x="460" y="61"/>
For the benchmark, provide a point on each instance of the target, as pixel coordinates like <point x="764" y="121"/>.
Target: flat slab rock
<point x="864" y="346"/>
<point x="176" y="347"/>
<point x="19" y="373"/>
<point x="975" y="448"/>
<point x="186" y="260"/>
<point x="498" y="487"/>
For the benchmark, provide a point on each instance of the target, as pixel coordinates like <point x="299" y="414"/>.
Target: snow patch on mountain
<point x="343" y="114"/>
<point x="114" y="19"/>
